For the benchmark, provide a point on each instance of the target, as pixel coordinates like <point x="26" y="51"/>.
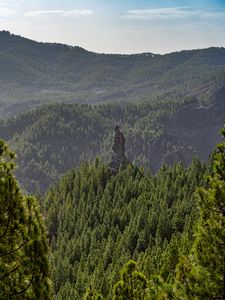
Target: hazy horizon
<point x="115" y="53"/>
<point x="115" y="27"/>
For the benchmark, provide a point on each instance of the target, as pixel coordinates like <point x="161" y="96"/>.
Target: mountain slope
<point x="54" y="138"/>
<point x="33" y="73"/>
<point x="97" y="222"/>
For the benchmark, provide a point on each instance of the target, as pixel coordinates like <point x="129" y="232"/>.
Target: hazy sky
<point x="118" y="26"/>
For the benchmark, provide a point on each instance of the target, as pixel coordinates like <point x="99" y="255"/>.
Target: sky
<point x="118" y="26"/>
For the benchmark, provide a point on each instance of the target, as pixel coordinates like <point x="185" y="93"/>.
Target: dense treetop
<point x="23" y="243"/>
<point x="97" y="222"/>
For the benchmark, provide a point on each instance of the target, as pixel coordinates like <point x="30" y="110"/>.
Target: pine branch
<point x="8" y="253"/>
<point x="10" y="272"/>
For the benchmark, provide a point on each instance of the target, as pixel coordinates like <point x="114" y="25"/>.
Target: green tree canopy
<point x="132" y="284"/>
<point x="23" y="244"/>
<point x="201" y="275"/>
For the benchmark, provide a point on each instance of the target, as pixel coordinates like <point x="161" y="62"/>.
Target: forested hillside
<point x="171" y="224"/>
<point x="34" y="73"/>
<point x="24" y="272"/>
<point x="174" y="111"/>
<point x="97" y="222"/>
<point x="50" y="140"/>
<point x="153" y="229"/>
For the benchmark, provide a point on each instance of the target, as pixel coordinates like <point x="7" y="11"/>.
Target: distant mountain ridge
<point x="33" y="73"/>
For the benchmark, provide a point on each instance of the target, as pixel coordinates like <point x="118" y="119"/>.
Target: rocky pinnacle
<point x="118" y="156"/>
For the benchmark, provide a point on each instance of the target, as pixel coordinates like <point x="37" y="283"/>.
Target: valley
<point x="150" y="227"/>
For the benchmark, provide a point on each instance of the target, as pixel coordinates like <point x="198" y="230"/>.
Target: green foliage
<point x="97" y="222"/>
<point x="53" y="139"/>
<point x="92" y="295"/>
<point x="201" y="274"/>
<point x="132" y="284"/>
<point x="23" y="244"/>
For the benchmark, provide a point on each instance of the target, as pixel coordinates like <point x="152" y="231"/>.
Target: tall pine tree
<point x="202" y="274"/>
<point x="132" y="284"/>
<point x="23" y="244"/>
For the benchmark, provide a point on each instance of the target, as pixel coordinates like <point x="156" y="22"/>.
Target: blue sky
<point x="115" y="26"/>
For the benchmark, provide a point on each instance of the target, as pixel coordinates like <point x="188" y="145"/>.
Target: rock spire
<point x="118" y="156"/>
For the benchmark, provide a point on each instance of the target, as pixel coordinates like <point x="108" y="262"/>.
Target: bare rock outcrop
<point x="118" y="157"/>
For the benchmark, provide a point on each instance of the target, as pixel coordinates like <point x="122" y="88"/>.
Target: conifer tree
<point x="202" y="274"/>
<point x="23" y="245"/>
<point x="92" y="295"/>
<point x="132" y="284"/>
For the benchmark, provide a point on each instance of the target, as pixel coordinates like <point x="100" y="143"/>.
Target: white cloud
<point x="159" y="13"/>
<point x="37" y="13"/>
<point x="214" y="14"/>
<point x="77" y="13"/>
<point x="6" y="12"/>
<point x="61" y="13"/>
<point x="170" y="13"/>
